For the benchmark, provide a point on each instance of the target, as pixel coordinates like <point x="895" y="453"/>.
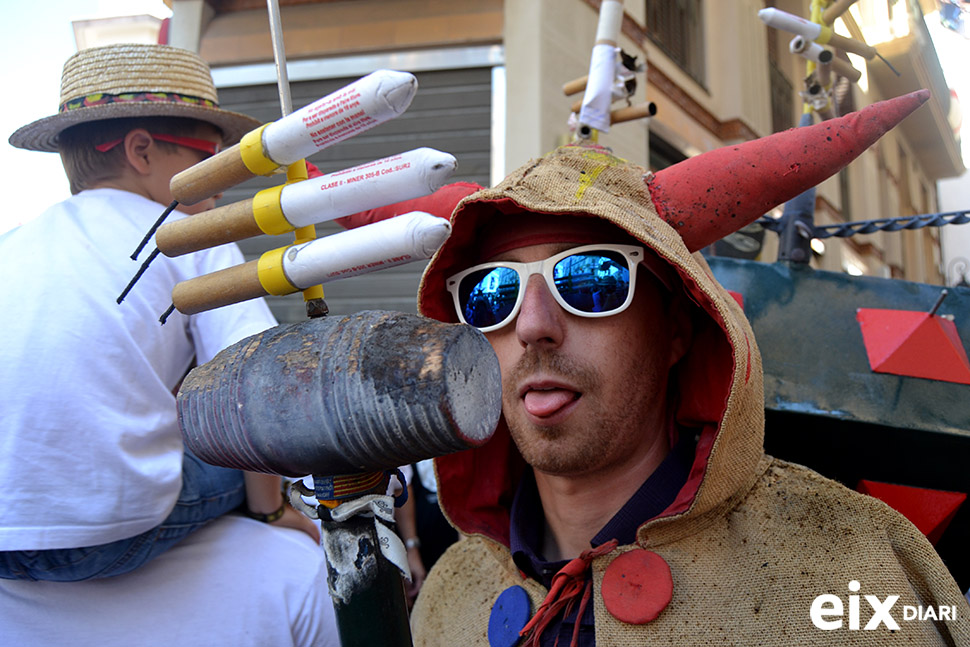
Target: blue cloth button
<point x="509" y="614"/>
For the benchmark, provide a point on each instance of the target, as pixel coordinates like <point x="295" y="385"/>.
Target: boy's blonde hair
<point x="86" y="166"/>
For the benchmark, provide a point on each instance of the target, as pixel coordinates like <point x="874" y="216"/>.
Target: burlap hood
<point x="724" y="400"/>
<point x="751" y="541"/>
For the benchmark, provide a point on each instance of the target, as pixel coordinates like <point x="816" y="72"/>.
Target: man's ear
<point x="682" y="327"/>
<point x="139" y="147"/>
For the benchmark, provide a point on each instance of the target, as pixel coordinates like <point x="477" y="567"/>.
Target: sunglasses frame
<point x="632" y="253"/>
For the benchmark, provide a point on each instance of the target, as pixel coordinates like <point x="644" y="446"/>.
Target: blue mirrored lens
<point x="595" y="281"/>
<point x="488" y="296"/>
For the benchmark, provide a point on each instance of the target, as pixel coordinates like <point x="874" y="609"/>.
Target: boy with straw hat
<point x="87" y="386"/>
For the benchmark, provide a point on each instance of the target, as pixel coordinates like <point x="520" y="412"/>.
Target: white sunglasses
<point x="588" y="281"/>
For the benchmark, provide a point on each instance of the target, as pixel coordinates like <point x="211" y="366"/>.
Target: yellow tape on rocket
<point x="403" y="239"/>
<point x="282" y="209"/>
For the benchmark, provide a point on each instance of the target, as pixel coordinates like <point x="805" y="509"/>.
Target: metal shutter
<point x="451" y="112"/>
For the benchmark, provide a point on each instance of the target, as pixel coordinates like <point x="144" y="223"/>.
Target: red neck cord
<point x="568" y="584"/>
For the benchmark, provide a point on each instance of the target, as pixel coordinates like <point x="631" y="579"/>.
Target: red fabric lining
<point x="481" y="503"/>
<point x="500" y="236"/>
<point x="698" y="385"/>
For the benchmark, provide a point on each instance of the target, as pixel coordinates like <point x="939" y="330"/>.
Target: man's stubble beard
<point x="583" y="442"/>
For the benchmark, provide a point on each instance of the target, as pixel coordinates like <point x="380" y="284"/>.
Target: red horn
<point x="718" y="192"/>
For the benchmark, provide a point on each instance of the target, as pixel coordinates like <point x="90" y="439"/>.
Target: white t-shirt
<point x="90" y="450"/>
<point x="426" y="474"/>
<point x="235" y="582"/>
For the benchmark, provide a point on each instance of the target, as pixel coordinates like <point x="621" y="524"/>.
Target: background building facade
<point x="491" y="75"/>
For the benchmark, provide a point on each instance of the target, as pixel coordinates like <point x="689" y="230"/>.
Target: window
<point x="662" y="153"/>
<point x="677" y="28"/>
<point x="782" y="99"/>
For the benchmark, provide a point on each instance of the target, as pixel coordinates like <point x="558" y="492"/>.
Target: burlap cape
<point x="751" y="541"/>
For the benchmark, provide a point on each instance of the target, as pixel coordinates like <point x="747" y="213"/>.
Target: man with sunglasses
<point x="625" y="497"/>
<point x="94" y="483"/>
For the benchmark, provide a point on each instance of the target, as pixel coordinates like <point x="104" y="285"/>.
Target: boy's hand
<point x="418" y="574"/>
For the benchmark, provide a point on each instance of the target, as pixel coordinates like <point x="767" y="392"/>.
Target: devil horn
<point x="713" y="194"/>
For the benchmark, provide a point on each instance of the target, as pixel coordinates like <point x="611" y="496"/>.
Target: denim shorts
<point x="207" y="492"/>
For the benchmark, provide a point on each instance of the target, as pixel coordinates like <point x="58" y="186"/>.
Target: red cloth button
<point x="637" y="586"/>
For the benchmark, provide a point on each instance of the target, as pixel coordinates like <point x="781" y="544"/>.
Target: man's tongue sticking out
<point x="545" y="402"/>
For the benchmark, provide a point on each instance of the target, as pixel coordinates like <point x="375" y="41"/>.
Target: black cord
<point x="134" y="279"/>
<point x="164" y="317"/>
<point x="158" y="223"/>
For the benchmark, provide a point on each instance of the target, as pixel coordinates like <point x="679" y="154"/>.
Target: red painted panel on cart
<point x="931" y="511"/>
<point x="913" y="344"/>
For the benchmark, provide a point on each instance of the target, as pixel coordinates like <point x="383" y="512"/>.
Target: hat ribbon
<point x="102" y="99"/>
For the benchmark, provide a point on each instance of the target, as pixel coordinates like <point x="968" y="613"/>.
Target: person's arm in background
<point x="407" y="527"/>
<point x="264" y="496"/>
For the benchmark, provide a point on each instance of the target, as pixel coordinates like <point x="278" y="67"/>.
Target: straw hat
<point x="132" y="80"/>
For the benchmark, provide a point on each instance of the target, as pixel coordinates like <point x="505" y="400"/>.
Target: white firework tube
<point x="810" y="50"/>
<point x="595" y="110"/>
<point x="815" y="52"/>
<point x="365" y="103"/>
<point x="609" y="21"/>
<point x="403" y="239"/>
<point x="393" y="179"/>
<point x="791" y="23"/>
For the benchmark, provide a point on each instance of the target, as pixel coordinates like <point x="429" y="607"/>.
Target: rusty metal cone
<point x="331" y="396"/>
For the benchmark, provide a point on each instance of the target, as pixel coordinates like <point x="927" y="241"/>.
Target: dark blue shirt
<point x="525" y="533"/>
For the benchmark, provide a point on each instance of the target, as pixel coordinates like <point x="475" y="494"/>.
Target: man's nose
<point x="541" y="320"/>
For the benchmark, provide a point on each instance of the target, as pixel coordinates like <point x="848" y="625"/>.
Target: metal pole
<point x="371" y="611"/>
<point x="377" y="612"/>
<point x="279" y="55"/>
<point x="939" y="301"/>
<point x="313" y="296"/>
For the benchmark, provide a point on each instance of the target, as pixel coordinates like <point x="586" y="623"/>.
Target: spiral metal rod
<point x="847" y="229"/>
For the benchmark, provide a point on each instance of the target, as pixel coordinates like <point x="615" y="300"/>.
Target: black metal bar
<point x="939" y="302"/>
<point x="367" y="591"/>
<point x="888" y="64"/>
<point x="798" y="220"/>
